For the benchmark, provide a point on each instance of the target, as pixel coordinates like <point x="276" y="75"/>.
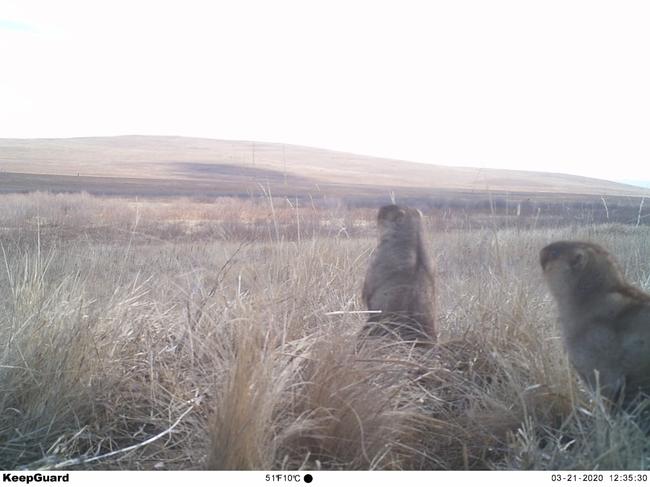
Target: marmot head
<point x="403" y="221"/>
<point x="577" y="270"/>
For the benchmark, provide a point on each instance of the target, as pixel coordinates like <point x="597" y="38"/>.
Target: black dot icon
<point x="308" y="478"/>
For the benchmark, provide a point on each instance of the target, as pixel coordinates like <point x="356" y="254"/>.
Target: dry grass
<point x="111" y="331"/>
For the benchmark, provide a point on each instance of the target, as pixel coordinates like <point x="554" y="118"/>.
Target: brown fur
<point x="605" y="321"/>
<point x="399" y="281"/>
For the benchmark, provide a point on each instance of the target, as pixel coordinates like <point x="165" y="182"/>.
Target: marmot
<point x="605" y="321"/>
<point x="399" y="281"/>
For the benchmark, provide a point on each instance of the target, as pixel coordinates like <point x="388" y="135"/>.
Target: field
<point x="222" y="334"/>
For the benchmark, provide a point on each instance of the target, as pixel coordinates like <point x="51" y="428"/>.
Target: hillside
<point x="194" y="164"/>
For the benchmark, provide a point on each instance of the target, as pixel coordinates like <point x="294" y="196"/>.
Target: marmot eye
<point x="548" y="255"/>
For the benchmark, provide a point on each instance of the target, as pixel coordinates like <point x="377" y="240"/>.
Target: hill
<point x="182" y="165"/>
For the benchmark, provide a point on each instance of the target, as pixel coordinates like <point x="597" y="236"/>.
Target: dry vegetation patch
<point x="220" y="346"/>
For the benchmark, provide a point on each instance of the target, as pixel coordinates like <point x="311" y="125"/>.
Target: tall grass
<point x="228" y="345"/>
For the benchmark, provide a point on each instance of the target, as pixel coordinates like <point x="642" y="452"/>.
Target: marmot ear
<point x="578" y="259"/>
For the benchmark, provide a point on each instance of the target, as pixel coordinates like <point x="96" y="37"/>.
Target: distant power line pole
<point x="284" y="162"/>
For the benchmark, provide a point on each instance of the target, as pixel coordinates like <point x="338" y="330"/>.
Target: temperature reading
<point x="282" y="477"/>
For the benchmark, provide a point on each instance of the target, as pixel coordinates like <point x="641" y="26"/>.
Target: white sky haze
<point x="543" y="85"/>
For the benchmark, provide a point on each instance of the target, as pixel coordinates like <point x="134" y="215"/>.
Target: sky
<point x="553" y="85"/>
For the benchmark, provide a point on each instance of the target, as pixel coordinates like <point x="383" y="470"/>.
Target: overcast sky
<point x="545" y="85"/>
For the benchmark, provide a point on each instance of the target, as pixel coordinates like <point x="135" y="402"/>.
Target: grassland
<point x="178" y="334"/>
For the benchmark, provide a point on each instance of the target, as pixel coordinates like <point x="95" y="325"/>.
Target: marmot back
<point x="399" y="281"/>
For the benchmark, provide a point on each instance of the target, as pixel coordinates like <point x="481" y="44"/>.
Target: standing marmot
<point x="399" y="282"/>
